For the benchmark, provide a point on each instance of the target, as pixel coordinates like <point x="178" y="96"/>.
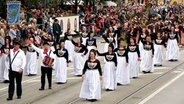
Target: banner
<point x="13" y="12"/>
<point x="69" y="22"/>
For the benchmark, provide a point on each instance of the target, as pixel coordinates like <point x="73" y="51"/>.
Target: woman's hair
<point x="111" y="45"/>
<point x="93" y="51"/>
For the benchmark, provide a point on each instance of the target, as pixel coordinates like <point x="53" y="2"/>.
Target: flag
<point x="13" y="12"/>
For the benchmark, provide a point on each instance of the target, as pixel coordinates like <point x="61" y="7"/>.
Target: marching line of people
<point x="123" y="60"/>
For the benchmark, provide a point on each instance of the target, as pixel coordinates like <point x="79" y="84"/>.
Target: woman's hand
<point x="83" y="77"/>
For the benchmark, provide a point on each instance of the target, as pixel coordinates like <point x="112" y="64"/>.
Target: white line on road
<point x="22" y="82"/>
<point x="160" y="89"/>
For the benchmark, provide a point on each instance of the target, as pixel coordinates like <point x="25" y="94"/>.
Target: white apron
<point x="159" y="54"/>
<point x="61" y="69"/>
<point x="84" y="41"/>
<point x="122" y="73"/>
<point x="91" y="86"/>
<point x="109" y="80"/>
<point x="1" y="68"/>
<point x="134" y="64"/>
<point x="79" y="62"/>
<point x="147" y="61"/>
<point x="172" y="50"/>
<point x="31" y="58"/>
<point x="141" y="48"/>
<point x="6" y="67"/>
<point x="70" y="47"/>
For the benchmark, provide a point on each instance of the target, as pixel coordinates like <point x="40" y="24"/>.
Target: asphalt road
<point x="135" y="93"/>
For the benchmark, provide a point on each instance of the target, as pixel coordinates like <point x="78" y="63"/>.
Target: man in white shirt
<point x="45" y="69"/>
<point x="17" y="61"/>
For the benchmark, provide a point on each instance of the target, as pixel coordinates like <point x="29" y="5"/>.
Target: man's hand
<point x="20" y="71"/>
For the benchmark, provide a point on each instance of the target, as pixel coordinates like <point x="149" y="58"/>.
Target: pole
<point x="76" y="5"/>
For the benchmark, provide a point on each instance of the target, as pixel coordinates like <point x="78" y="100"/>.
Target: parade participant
<point x="6" y="50"/>
<point x="109" y="80"/>
<point x="142" y="38"/>
<point x="92" y="74"/>
<point x="51" y="42"/>
<point x="68" y="45"/>
<point x="172" y="53"/>
<point x="31" y="58"/>
<point x="1" y="60"/>
<point x="17" y="64"/>
<point x="56" y="30"/>
<point x="79" y="59"/>
<point x="122" y="73"/>
<point x="91" y="42"/>
<point x="84" y="35"/>
<point x="109" y="37"/>
<point x="147" y="58"/>
<point x="159" y="47"/>
<point x="61" y="63"/>
<point x="46" y="68"/>
<point x="134" y="58"/>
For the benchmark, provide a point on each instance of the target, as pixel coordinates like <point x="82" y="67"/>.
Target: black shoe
<point x="143" y="72"/>
<point x="149" y="72"/>
<point x="134" y="77"/>
<point x="155" y="65"/>
<point x="50" y="88"/>
<point x="60" y="82"/>
<point x="32" y="74"/>
<point x="160" y="65"/>
<point x="6" y="81"/>
<point x="41" y="89"/>
<point x="69" y="61"/>
<point x="8" y="99"/>
<point x="119" y="84"/>
<point x="89" y="99"/>
<point x="108" y="90"/>
<point x="171" y="60"/>
<point x="19" y="97"/>
<point x="79" y="75"/>
<point x="93" y="100"/>
<point x="175" y="60"/>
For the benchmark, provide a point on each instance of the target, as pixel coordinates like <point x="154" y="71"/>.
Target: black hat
<point x="16" y="41"/>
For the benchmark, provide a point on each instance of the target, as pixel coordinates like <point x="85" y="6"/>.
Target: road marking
<point x="154" y="73"/>
<point x="70" y="78"/>
<point x="160" y="89"/>
<point x="22" y="82"/>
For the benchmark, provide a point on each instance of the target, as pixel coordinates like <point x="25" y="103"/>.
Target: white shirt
<point x="19" y="62"/>
<point x="42" y="55"/>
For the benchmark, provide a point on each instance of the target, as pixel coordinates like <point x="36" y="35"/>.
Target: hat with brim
<point x="16" y="42"/>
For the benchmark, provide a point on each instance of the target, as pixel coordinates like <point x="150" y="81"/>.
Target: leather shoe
<point x="41" y="89"/>
<point x="8" y="99"/>
<point x="19" y="97"/>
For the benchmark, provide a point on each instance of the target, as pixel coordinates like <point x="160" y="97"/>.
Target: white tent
<point x="72" y="2"/>
<point x="110" y="3"/>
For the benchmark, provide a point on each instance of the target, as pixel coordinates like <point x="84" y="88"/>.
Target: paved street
<point x="136" y="92"/>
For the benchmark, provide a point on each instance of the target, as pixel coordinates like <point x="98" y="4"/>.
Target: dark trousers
<point x="57" y="38"/>
<point x="12" y="77"/>
<point x="46" y="71"/>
